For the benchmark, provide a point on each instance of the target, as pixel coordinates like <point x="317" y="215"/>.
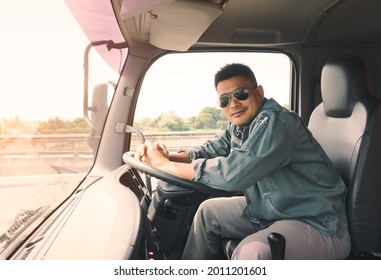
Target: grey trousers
<point x="220" y="218"/>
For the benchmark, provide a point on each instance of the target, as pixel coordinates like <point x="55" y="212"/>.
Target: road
<point x="27" y="155"/>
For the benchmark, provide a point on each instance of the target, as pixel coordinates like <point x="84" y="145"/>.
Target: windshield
<point x="48" y="136"/>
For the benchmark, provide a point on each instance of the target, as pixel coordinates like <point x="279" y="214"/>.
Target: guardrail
<point x="76" y="145"/>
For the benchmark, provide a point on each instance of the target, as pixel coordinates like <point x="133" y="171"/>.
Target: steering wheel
<point x="129" y="159"/>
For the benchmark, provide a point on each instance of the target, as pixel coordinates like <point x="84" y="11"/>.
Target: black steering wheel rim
<point x="130" y="160"/>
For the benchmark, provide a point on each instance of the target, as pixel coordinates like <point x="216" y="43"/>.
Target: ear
<point x="260" y="91"/>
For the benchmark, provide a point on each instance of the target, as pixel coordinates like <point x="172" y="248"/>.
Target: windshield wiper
<point x="21" y="222"/>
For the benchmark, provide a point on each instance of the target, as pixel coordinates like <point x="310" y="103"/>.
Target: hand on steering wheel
<point x="133" y="161"/>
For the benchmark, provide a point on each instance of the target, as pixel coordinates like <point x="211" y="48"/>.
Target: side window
<point x="178" y="102"/>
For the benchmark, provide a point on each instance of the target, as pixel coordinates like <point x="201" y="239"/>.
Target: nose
<point x="234" y="102"/>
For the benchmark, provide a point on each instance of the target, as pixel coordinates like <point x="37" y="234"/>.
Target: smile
<point x="238" y="113"/>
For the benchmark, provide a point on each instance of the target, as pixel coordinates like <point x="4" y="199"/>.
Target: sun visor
<point x="173" y="25"/>
<point x="132" y="8"/>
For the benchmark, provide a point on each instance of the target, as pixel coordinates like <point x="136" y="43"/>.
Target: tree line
<point x="209" y="118"/>
<point x="51" y="126"/>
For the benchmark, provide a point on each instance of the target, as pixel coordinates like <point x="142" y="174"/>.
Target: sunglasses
<point x="239" y="94"/>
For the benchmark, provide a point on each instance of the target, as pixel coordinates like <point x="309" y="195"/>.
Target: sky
<point x="192" y="87"/>
<point x="39" y="86"/>
<point x="49" y="82"/>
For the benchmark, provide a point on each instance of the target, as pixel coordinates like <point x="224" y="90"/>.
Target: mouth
<point x="237" y="114"/>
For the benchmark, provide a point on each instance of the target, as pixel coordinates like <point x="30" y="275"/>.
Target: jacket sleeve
<point x="218" y="146"/>
<point x="267" y="148"/>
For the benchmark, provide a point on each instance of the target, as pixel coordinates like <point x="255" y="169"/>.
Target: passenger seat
<point x="348" y="126"/>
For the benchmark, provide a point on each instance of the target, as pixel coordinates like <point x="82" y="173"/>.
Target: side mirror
<point x="98" y="113"/>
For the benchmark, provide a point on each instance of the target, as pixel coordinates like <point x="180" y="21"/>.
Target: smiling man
<point x="289" y="184"/>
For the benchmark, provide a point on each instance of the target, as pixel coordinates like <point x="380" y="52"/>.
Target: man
<point x="289" y="184"/>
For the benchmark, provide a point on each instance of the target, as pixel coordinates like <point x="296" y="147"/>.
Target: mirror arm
<point x="110" y="45"/>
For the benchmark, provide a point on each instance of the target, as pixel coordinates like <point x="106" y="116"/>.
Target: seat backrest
<point x="347" y="124"/>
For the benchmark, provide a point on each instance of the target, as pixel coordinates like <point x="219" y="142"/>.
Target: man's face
<point x="241" y="112"/>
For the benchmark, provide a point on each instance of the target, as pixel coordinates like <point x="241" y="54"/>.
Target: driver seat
<point x="347" y="124"/>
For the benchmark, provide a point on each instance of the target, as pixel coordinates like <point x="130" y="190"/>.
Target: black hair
<point x="233" y="70"/>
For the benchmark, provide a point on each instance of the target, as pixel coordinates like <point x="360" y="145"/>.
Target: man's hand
<point x="162" y="149"/>
<point x="155" y="155"/>
<point x="140" y="152"/>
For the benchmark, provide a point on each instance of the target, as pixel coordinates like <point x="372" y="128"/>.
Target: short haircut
<point x="233" y="70"/>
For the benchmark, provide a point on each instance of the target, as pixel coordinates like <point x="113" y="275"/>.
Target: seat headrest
<point x="343" y="81"/>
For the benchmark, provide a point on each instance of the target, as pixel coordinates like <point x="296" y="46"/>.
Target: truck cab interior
<point x="124" y="209"/>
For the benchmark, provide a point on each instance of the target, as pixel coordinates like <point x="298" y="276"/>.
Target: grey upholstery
<point x="348" y="126"/>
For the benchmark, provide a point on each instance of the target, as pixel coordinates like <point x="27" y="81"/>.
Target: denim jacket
<point x="281" y="169"/>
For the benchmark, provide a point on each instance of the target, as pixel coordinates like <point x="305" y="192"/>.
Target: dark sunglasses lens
<point x="241" y="94"/>
<point x="223" y="100"/>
